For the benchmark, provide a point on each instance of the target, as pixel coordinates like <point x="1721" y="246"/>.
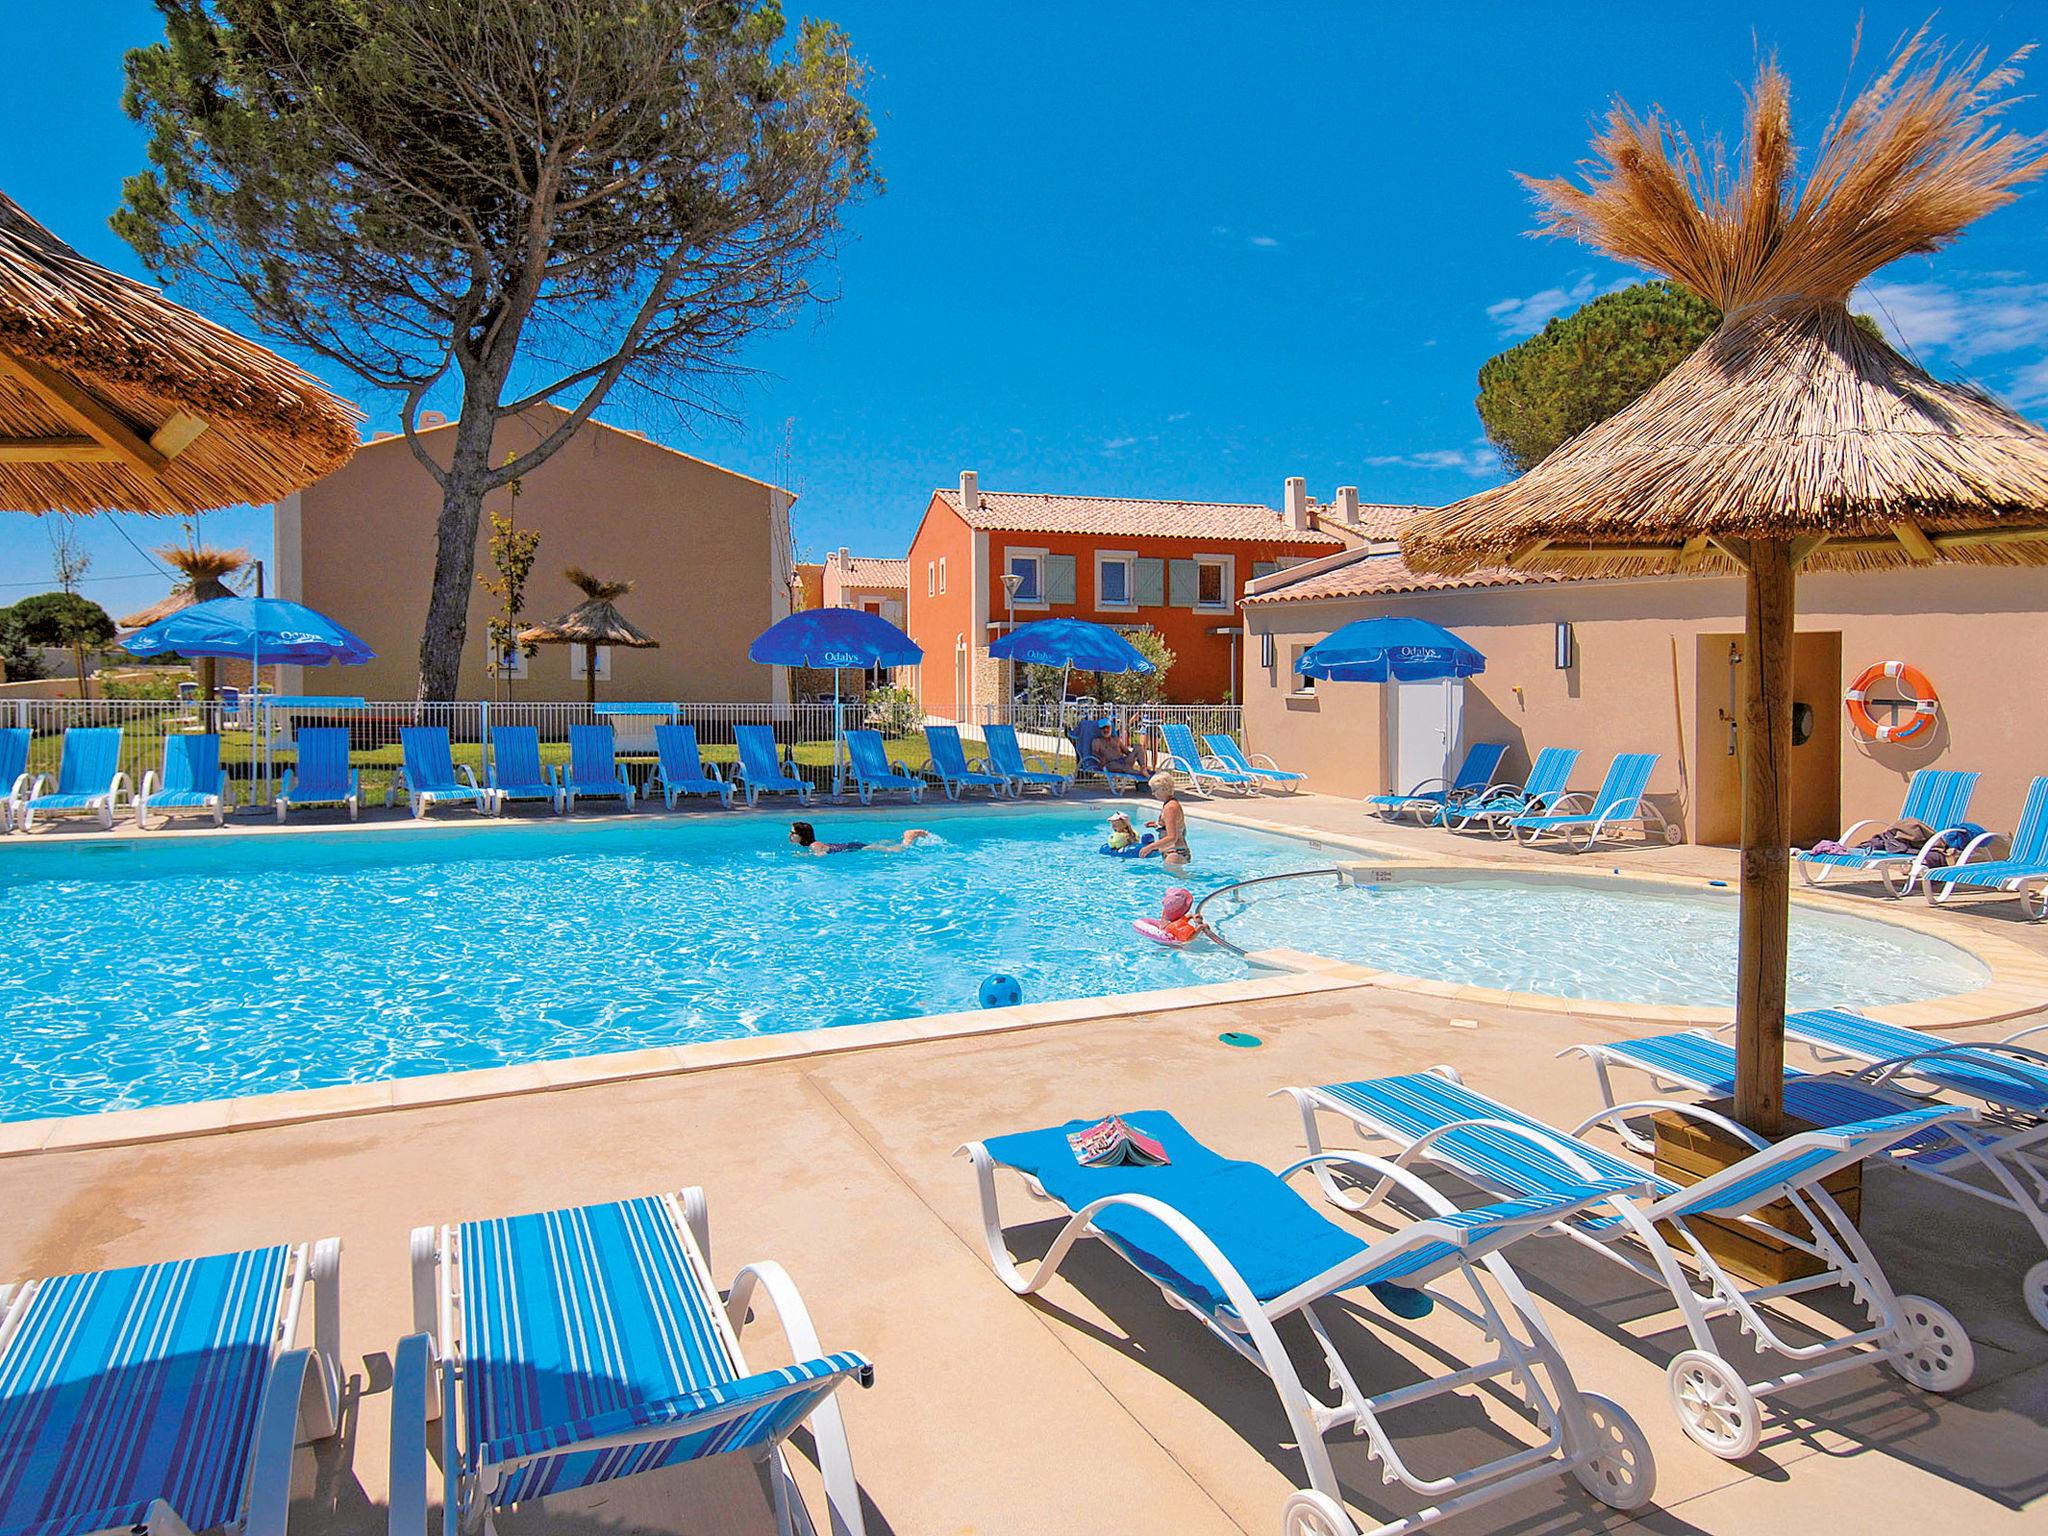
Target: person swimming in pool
<point x="1171" y="845"/>
<point x="804" y="837"/>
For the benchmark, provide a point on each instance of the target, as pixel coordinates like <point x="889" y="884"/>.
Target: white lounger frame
<point x="1717" y="1403"/>
<point x="103" y="806"/>
<point x="429" y="1363"/>
<point x="1585" y="1434"/>
<point x="215" y="806"/>
<point x="1639" y="812"/>
<point x="301" y="1390"/>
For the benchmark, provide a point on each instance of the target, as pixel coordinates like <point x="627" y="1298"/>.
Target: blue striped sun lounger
<point x="322" y="775"/>
<point x="14" y="745"/>
<point x="593" y="771"/>
<point x="1621" y="801"/>
<point x="1496" y="807"/>
<point x="1201" y="771"/>
<point x="2022" y="870"/>
<point x="1776" y="1193"/>
<point x="1006" y="757"/>
<point x="1232" y="1244"/>
<point x="517" y="773"/>
<point x="89" y="779"/>
<point x="949" y="762"/>
<point x="428" y="773"/>
<point x="1474" y="778"/>
<point x="165" y="1397"/>
<point x="760" y="767"/>
<point x="680" y="770"/>
<point x="868" y="757"/>
<point x="191" y="781"/>
<point x="1225" y="750"/>
<point x="578" y="1347"/>
<point x="1938" y="798"/>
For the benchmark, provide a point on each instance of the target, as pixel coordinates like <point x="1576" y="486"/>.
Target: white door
<point x="1422" y="730"/>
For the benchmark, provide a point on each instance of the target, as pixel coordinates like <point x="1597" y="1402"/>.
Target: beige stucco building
<point x="708" y="551"/>
<point x="1654" y="664"/>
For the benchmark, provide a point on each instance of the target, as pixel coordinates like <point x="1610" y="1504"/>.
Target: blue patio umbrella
<point x="1067" y="644"/>
<point x="835" y="638"/>
<point x="1394" y="650"/>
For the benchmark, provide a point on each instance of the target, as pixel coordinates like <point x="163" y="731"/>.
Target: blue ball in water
<point x="1001" y="991"/>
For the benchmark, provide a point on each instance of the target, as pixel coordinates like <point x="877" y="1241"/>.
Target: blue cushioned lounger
<point x="173" y="1392"/>
<point x="14" y="744"/>
<point x="868" y="756"/>
<point x="949" y="762"/>
<point x="89" y="778"/>
<point x="2023" y="870"/>
<point x="1621" y="801"/>
<point x="1225" y="750"/>
<point x="191" y="781"/>
<point x="593" y="772"/>
<point x="760" y="766"/>
<point x="517" y="773"/>
<point x="1231" y="1243"/>
<point x="1202" y="773"/>
<point x="577" y="1347"/>
<point x="428" y="773"/>
<point x="1775" y="1193"/>
<point x="1937" y="798"/>
<point x="322" y="775"/>
<point x="1006" y="757"/>
<point x="680" y="770"/>
<point x="1082" y="737"/>
<point x="1495" y="807"/>
<point x="1475" y="777"/>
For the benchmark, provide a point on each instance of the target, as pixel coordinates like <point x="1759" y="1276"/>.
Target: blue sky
<point x="1178" y="250"/>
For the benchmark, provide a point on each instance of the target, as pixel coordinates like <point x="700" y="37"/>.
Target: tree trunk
<point x="462" y="507"/>
<point x="1766" y="838"/>
<point x="208" y="672"/>
<point x="78" y="657"/>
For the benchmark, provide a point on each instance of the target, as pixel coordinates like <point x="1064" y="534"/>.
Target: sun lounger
<point x="1083" y="737"/>
<point x="14" y="745"/>
<point x="1775" y="1193"/>
<point x="1006" y="757"/>
<point x="949" y="762"/>
<point x="868" y="757"/>
<point x="517" y="772"/>
<point x="1426" y="805"/>
<point x="593" y="772"/>
<point x="322" y="776"/>
<point x="1621" y="801"/>
<point x="1496" y="806"/>
<point x="680" y="770"/>
<point x="2023" y="869"/>
<point x="428" y="773"/>
<point x="760" y="766"/>
<point x="1233" y="1245"/>
<point x="1225" y="750"/>
<point x="166" y="1397"/>
<point x="89" y="779"/>
<point x="1185" y="761"/>
<point x="577" y="1347"/>
<point x="191" y="781"/>
<point x="1935" y="797"/>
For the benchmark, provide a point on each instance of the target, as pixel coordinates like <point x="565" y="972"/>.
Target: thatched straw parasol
<point x="595" y="621"/>
<point x="1790" y="438"/>
<point x="114" y="399"/>
<point x="203" y="572"/>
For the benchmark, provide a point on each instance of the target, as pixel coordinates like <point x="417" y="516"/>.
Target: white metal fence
<point x="1054" y="720"/>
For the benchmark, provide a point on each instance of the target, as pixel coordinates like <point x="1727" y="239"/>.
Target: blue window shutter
<point x="1059" y="578"/>
<point x="1150" y="580"/>
<point x="1182" y="584"/>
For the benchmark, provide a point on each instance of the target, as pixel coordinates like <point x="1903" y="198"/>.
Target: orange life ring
<point x="1926" y="704"/>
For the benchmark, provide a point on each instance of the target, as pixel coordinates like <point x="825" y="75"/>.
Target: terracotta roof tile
<point x="1385" y="574"/>
<point x="1020" y="512"/>
<point x="870" y="570"/>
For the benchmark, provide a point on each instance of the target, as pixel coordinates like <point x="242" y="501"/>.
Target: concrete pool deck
<point x="1100" y="1406"/>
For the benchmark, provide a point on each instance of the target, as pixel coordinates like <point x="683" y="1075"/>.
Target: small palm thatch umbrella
<point x="593" y="622"/>
<point x="114" y="399"/>
<point x="1790" y="438"/>
<point x="203" y="572"/>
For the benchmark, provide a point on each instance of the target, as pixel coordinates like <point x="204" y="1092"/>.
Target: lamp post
<point x="1011" y="582"/>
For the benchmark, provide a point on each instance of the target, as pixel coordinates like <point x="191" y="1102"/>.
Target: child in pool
<point x="1122" y="834"/>
<point x="1177" y="916"/>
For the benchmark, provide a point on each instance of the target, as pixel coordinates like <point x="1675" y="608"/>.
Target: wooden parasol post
<point x="1766" y="835"/>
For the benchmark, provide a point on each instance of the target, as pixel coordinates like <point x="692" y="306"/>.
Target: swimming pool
<point x="199" y="967"/>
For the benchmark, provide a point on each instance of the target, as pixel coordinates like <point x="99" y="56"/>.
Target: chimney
<point x="1347" y="505"/>
<point x="845" y="557"/>
<point x="432" y="419"/>
<point x="1295" y="502"/>
<point x="970" y="491"/>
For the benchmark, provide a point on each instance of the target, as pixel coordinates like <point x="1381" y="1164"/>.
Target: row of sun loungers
<point x="571" y="1348"/>
<point x="1951" y="857"/>
<point x="1541" y="808"/>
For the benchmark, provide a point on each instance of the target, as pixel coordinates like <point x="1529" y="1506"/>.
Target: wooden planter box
<point x="1690" y="1150"/>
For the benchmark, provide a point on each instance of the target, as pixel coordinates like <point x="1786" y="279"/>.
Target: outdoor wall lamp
<point x="1564" y="646"/>
<point x="1266" y="650"/>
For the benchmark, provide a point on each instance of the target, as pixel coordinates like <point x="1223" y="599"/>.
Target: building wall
<point x="1652" y="673"/>
<point x="706" y="549"/>
<point x="938" y="620"/>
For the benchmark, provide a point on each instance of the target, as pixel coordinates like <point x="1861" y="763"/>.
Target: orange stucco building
<point x="1177" y="567"/>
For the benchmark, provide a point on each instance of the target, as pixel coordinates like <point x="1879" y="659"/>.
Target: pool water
<point x="1590" y="937"/>
<point x="171" y="972"/>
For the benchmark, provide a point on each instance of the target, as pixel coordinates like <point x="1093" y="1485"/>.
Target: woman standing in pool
<point x="1171" y="845"/>
<point x="805" y="838"/>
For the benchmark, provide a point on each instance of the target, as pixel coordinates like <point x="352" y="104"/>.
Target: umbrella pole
<point x="1766" y="837"/>
<point x="836" y="781"/>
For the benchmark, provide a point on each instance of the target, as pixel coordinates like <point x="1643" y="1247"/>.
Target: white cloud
<point x="1118" y="444"/>
<point x="1178" y="415"/>
<point x="1525" y="316"/>
<point x="2030" y="385"/>
<point x="1478" y="462"/>
<point x="1974" y="326"/>
<point x="1266" y="240"/>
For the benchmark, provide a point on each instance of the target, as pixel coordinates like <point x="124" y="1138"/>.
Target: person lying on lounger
<point x="805" y="838"/>
<point x="1116" y="754"/>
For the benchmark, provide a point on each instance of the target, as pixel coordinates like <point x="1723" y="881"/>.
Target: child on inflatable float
<point x="1124" y="842"/>
<point x="1177" y="922"/>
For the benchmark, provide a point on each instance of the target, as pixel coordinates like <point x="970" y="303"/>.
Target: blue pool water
<point x="196" y="968"/>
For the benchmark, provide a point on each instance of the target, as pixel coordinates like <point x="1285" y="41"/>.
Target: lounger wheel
<point x="1309" y="1513"/>
<point x="1673" y="833"/>
<point x="1938" y="1355"/>
<point x="1622" y="1471"/>
<point x="1714" y="1405"/>
<point x="2035" y="1287"/>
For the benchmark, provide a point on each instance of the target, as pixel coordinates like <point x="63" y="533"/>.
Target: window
<point x="942" y="575"/>
<point x="1301" y="684"/>
<point x="1028" y="566"/>
<point x="1214" y="580"/>
<point x="931" y="579"/>
<point x="1115" y="581"/>
<point x="512" y="663"/>
<point x="604" y="663"/>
